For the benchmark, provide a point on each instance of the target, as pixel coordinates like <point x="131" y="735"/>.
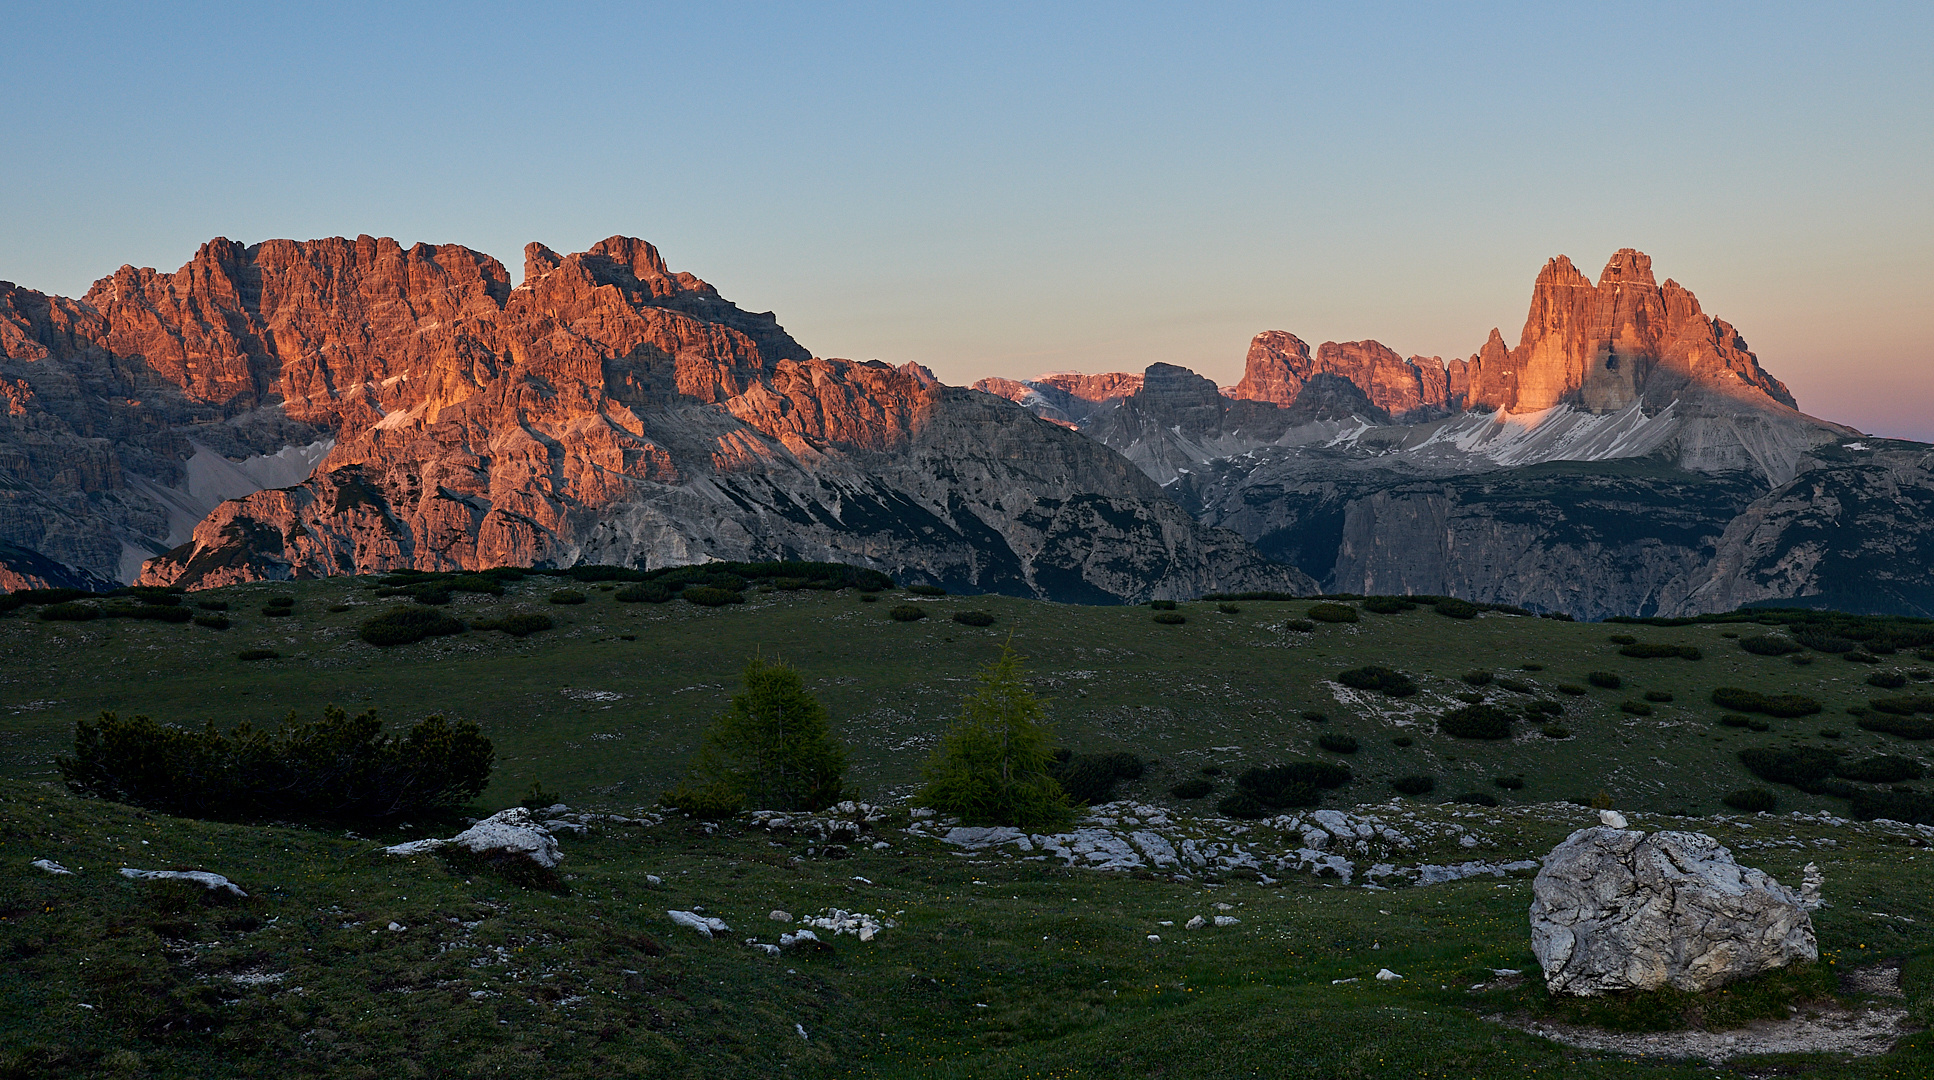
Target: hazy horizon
<point x="1015" y="190"/>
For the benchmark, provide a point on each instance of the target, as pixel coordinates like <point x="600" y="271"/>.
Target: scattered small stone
<point x="397" y="928"/>
<point x="701" y="923"/>
<point x="1387" y="975"/>
<point x="1227" y="920"/>
<point x="1196" y="923"/>
<point x="780" y="916"/>
<point x="1155" y="937"/>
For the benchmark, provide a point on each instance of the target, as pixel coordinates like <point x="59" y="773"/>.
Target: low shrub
<point x="1333" y="613"/>
<point x="1555" y="731"/>
<point x="1414" y="785"/>
<point x="275" y="612"/>
<point x="1531" y="667"/>
<point x="1733" y="719"/>
<point x="648" y="592"/>
<point x="710" y="596"/>
<point x="1905" y="705"/>
<point x="1769" y="645"/>
<point x="1170" y="618"/>
<point x="1648" y="650"/>
<point x="148" y="613"/>
<point x="1509" y="783"/>
<point x="1454" y="608"/>
<point x="1315" y="717"/>
<point x="1401" y="741"/>
<point x="338" y="609"/>
<point x="212" y="605"/>
<point x="403" y="626"/>
<point x="1733" y="697"/>
<point x="1241" y="804"/>
<point x="926" y="590"/>
<point x="1622" y="639"/>
<point x="1476" y="798"/>
<point x="1636" y="708"/>
<point x="517" y="623"/>
<point x="1754" y="800"/>
<point x="1887" y="680"/>
<point x="1912" y="807"/>
<point x="1338" y="744"/>
<point x="1571" y="688"/>
<point x="1388" y="605"/>
<point x="1228" y="609"/>
<point x="1476" y="722"/>
<point x="212" y="620"/>
<point x="869" y="598"/>
<point x="1604" y="680"/>
<point x="1858" y="657"/>
<point x="1797" y="766"/>
<point x="1298" y="783"/>
<point x="1885" y="769"/>
<point x="1091" y="778"/>
<point x="1800" y="659"/>
<point x="70" y="612"/>
<point x="1301" y="626"/>
<point x="258" y="654"/>
<point x="1826" y="643"/>
<point x="1660" y="696"/>
<point x="906" y="613"/>
<point x="1912" y="728"/>
<point x="1516" y="686"/>
<point x="973" y="618"/>
<point x="1829" y="733"/>
<point x="1469" y="697"/>
<point x="1377" y="677"/>
<point x="1211" y="770"/>
<point x="1195" y="787"/>
<point x="568" y="596"/>
<point x="1477" y="678"/>
<point x="1162" y="605"/>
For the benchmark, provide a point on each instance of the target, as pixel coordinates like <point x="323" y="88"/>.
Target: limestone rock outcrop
<point x="1617" y="909"/>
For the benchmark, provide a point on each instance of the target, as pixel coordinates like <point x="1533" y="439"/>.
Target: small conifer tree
<point x="992" y="768"/>
<point x="770" y="750"/>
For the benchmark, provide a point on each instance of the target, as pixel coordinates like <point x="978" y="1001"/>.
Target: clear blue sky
<point x="996" y="189"/>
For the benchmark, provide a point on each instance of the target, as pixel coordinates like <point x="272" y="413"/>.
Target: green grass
<point x="608" y="705"/>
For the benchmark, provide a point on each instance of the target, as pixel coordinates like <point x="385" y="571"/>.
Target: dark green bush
<point x="1090" y="779"/>
<point x="1800" y="659"/>
<point x="1797" y="766"/>
<point x="1333" y="613"/>
<point x="1826" y="643"/>
<point x="1297" y="783"/>
<point x="1469" y="697"/>
<point x="1531" y="667"/>
<point x="274" y="612"/>
<point x="70" y="612"/>
<point x="1905" y="705"/>
<point x="1769" y="645"/>
<point x="1477" y="678"/>
<point x="1401" y="741"/>
<point x="148" y="613"/>
<point x="1829" y="733"/>
<point x="1755" y="800"/>
<point x="1162" y="605"/>
<point x="338" y="769"/>
<point x="868" y="598"/>
<point x="1337" y="744"/>
<point x="906" y="613"/>
<point x="1476" y="722"/>
<point x="402" y="626"/>
<point x="1555" y="731"/>
<point x="1907" y="727"/>
<point x="1653" y="650"/>
<point x="1623" y="639"/>
<point x="1299" y="625"/>
<point x="1604" y="680"/>
<point x="1571" y="689"/>
<point x="568" y="596"/>
<point x="1211" y="770"/>
<point x="1658" y="696"/>
<point x="1228" y="609"/>
<point x="649" y="592"/>
<point x="1194" y="787"/>
<point x="1241" y="804"/>
<point x="973" y="618"/>
<point x="1388" y="605"/>
<point x="1885" y="769"/>
<point x="1858" y="657"/>
<point x="1548" y="708"/>
<point x="1733" y="719"/>
<point x="1516" y="686"/>
<point x="713" y="596"/>
<point x="258" y="654"/>
<point x="1733" y="697"/>
<point x="1414" y="785"/>
<point x="1887" y="680"/>
<point x="1455" y="608"/>
<point x="1912" y="807"/>
<point x="212" y="605"/>
<point x="1315" y="717"/>
<point x="926" y="590"/>
<point x="517" y="623"/>
<point x="1476" y="798"/>
<point x="1510" y="783"/>
<point x="212" y="620"/>
<point x="1170" y="618"/>
<point x="474" y="583"/>
<point x="1377" y="677"/>
<point x="1636" y="708"/>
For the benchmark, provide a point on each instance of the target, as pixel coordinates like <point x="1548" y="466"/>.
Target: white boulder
<point x="1616" y="909"/>
<point x="702" y="923"/>
<point x="212" y="882"/>
<point x="511" y="832"/>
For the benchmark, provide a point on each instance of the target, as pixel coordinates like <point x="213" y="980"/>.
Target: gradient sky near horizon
<point x="995" y="189"/>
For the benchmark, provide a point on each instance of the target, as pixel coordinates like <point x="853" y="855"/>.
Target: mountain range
<point x="297" y="409"/>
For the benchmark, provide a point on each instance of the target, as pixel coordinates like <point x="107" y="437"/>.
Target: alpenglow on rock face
<point x="1616" y="909"/>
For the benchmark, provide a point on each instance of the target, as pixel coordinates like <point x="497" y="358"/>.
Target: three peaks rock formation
<point x="296" y="409"/>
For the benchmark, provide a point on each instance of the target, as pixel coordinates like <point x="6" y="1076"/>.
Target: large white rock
<point x="1616" y="909"/>
<point x="511" y="832"/>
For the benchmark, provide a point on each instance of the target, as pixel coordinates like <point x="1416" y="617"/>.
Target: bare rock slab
<point x="1618" y="909"/>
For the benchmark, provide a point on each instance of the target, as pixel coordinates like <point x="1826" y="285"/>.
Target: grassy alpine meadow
<point x="343" y="961"/>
